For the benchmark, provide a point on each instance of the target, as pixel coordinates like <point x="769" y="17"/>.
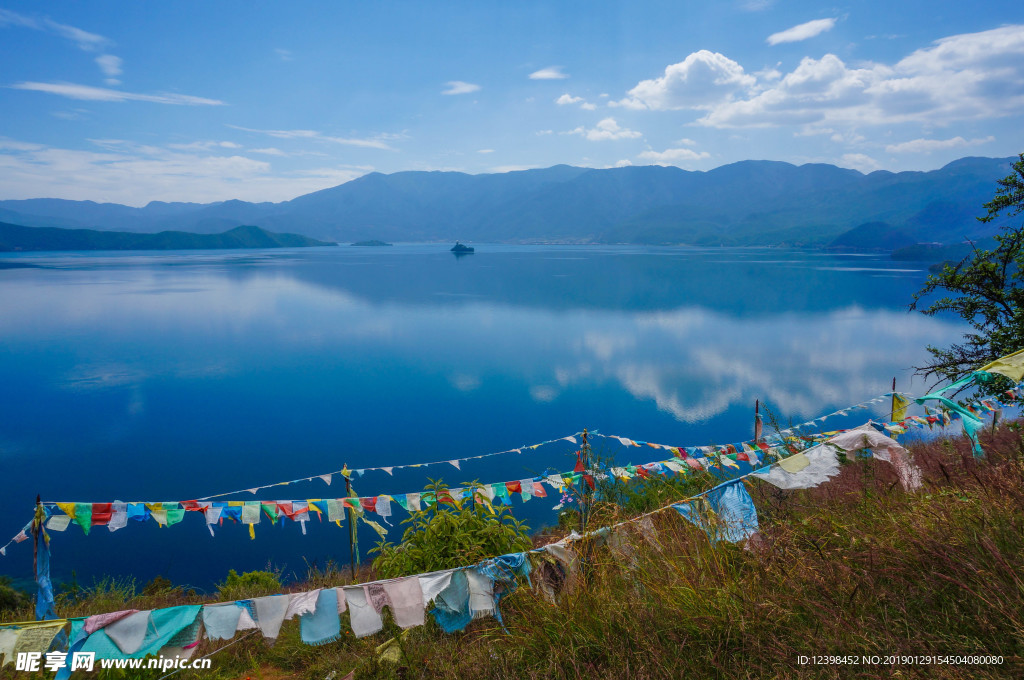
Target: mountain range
<point x="744" y="203"/>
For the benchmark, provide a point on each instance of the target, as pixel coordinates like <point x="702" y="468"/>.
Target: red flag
<point x="101" y="513"/>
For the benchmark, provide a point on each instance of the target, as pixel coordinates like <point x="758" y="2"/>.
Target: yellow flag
<point x="794" y="463"/>
<point x="1012" y="366"/>
<point x="376" y="527"/>
<point x="391" y="651"/>
<point x="899" y="407"/>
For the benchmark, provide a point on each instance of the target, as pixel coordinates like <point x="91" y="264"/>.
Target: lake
<point x="178" y="375"/>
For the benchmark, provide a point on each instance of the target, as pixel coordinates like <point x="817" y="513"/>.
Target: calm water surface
<point x="178" y="375"/>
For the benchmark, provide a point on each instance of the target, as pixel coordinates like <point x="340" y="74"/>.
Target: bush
<point x="249" y="584"/>
<point x="11" y="598"/>
<point x="451" y="533"/>
<point x="158" y="586"/>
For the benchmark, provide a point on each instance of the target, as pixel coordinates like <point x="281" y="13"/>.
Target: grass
<point x="855" y="567"/>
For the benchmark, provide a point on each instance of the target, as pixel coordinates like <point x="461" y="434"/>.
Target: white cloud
<point x="89" y="42"/>
<point x="124" y="172"/>
<point x="673" y="156"/>
<point x="9" y="18"/>
<point x="929" y="145"/>
<point x="269" y="151"/>
<point x="567" y="99"/>
<point x="859" y="161"/>
<point x="459" y="87"/>
<point x="847" y="137"/>
<point x="377" y="142"/>
<point x="541" y="133"/>
<point x="84" y="40"/>
<point x="702" y="80"/>
<point x="606" y="129"/>
<point x="111" y="67"/>
<point x="769" y="74"/>
<point x="485" y="150"/>
<point x="102" y="94"/>
<point x="802" y="31"/>
<point x="204" y="146"/>
<point x="756" y="5"/>
<point x="14" y="145"/>
<point x="549" y="73"/>
<point x="813" y="131"/>
<point x="970" y="76"/>
<point x="624" y="163"/>
<point x="512" y="168"/>
<point x="285" y="55"/>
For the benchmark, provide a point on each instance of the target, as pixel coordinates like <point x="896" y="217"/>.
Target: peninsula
<point x="14" y="237"/>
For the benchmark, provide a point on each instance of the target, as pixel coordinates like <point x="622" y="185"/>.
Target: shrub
<point x="249" y="584"/>
<point x="158" y="586"/>
<point x="11" y="598"/>
<point x="451" y="533"/>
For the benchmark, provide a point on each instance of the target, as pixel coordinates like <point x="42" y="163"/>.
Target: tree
<point x="985" y="290"/>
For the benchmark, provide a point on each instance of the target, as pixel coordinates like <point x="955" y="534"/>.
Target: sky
<point x="199" y="101"/>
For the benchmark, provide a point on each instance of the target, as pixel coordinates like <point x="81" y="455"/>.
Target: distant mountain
<point x="15" y="237"/>
<point x="745" y="203"/>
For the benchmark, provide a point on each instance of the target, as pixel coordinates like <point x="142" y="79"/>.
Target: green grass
<point x="855" y="567"/>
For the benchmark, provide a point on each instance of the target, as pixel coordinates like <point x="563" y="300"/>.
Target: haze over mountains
<point x="745" y="203"/>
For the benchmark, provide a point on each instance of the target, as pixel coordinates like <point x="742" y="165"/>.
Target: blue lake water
<point x="169" y="376"/>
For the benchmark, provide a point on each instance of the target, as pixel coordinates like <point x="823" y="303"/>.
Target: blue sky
<point x="199" y="101"/>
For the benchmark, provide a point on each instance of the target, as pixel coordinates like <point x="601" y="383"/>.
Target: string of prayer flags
<point x="723" y="462"/>
<point x="346" y="472"/>
<point x="726" y="462"/>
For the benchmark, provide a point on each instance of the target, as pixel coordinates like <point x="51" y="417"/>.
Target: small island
<point x="461" y="249"/>
<point x="373" y="242"/>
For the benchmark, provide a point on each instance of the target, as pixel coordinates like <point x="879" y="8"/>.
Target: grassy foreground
<point x="853" y="568"/>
